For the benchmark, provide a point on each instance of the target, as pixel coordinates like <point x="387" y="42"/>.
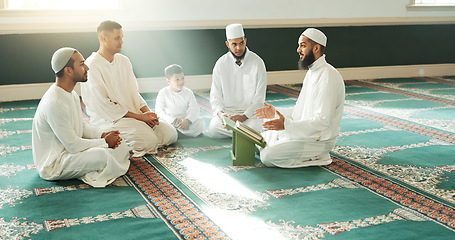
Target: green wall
<point x="25" y="58"/>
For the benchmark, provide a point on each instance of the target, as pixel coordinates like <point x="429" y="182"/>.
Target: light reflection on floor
<point x="237" y="225"/>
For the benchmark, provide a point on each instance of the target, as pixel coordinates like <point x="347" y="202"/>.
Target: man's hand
<point x="182" y="123"/>
<point x="150" y="118"/>
<point x="220" y="115"/>
<point x="238" y="117"/>
<point x="265" y="112"/>
<point x="275" y="124"/>
<point x="112" y="138"/>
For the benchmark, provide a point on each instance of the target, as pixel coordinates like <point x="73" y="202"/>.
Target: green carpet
<point x="392" y="177"/>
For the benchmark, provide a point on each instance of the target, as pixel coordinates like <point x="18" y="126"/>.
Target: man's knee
<point x="266" y="157"/>
<point x="141" y="141"/>
<point x="219" y="133"/>
<point x="166" y="133"/>
<point x="121" y="152"/>
<point x="198" y="126"/>
<point x="217" y="130"/>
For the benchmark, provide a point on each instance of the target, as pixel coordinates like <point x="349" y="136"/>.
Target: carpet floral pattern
<point x="392" y="177"/>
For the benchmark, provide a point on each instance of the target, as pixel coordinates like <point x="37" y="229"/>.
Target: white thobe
<point x="312" y="125"/>
<point x="110" y="92"/>
<point x="237" y="90"/>
<point x="172" y="105"/>
<point x="65" y="147"/>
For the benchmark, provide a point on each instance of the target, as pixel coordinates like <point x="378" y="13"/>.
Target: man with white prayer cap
<point x="64" y="146"/>
<point x="304" y="135"/>
<point x="239" y="82"/>
<point x="113" y="100"/>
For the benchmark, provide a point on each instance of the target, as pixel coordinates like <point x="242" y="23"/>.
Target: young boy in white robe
<point x="64" y="146"/>
<point x="177" y="105"/>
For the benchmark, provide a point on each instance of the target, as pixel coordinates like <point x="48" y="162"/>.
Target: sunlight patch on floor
<point x="217" y="181"/>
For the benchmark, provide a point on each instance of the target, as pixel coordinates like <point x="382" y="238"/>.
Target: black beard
<point x="305" y="63"/>
<point x="82" y="79"/>
<point x="240" y="57"/>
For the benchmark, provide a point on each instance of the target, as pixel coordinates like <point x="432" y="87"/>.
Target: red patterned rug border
<point x="411" y="127"/>
<point x="179" y="212"/>
<point x="438" y="80"/>
<point x="437" y="211"/>
<point x="401" y="92"/>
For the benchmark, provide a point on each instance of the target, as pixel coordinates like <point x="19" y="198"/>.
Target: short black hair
<point x="172" y="69"/>
<point x="70" y="64"/>
<point x="108" y="26"/>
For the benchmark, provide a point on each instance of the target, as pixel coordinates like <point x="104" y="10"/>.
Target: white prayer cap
<point x="61" y="58"/>
<point x="234" y="30"/>
<point x="316" y="35"/>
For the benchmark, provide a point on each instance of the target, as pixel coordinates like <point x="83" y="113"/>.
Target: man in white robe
<point x="239" y="83"/>
<point x="304" y="134"/>
<point x="63" y="145"/>
<point x="177" y="105"/>
<point x="113" y="100"/>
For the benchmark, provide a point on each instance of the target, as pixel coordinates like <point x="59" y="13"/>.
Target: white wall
<point x="36" y="91"/>
<point x="275" y="9"/>
<point x="193" y="14"/>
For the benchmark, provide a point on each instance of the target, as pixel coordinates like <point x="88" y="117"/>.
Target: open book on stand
<point x="245" y="130"/>
<point x="244" y="140"/>
<point x="249" y="131"/>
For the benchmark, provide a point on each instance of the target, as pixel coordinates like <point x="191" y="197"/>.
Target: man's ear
<point x="68" y="70"/>
<point x="102" y="37"/>
<point x="316" y="48"/>
<point x="227" y="44"/>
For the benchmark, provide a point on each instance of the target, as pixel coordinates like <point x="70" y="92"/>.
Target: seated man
<point x="64" y="146"/>
<point x="304" y="134"/>
<point x="113" y="100"/>
<point x="239" y="82"/>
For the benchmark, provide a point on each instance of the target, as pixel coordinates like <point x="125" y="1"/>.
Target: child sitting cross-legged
<point x="177" y="105"/>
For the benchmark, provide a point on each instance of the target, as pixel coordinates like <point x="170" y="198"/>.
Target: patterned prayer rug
<point x="143" y="204"/>
<point x="392" y="177"/>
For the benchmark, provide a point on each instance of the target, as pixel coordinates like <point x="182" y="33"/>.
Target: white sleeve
<point x="325" y="104"/>
<point x="261" y="88"/>
<point x="58" y="118"/>
<point x="286" y="112"/>
<point x="90" y="132"/>
<point x="216" y="91"/>
<point x="160" y="107"/>
<point x="193" y="109"/>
